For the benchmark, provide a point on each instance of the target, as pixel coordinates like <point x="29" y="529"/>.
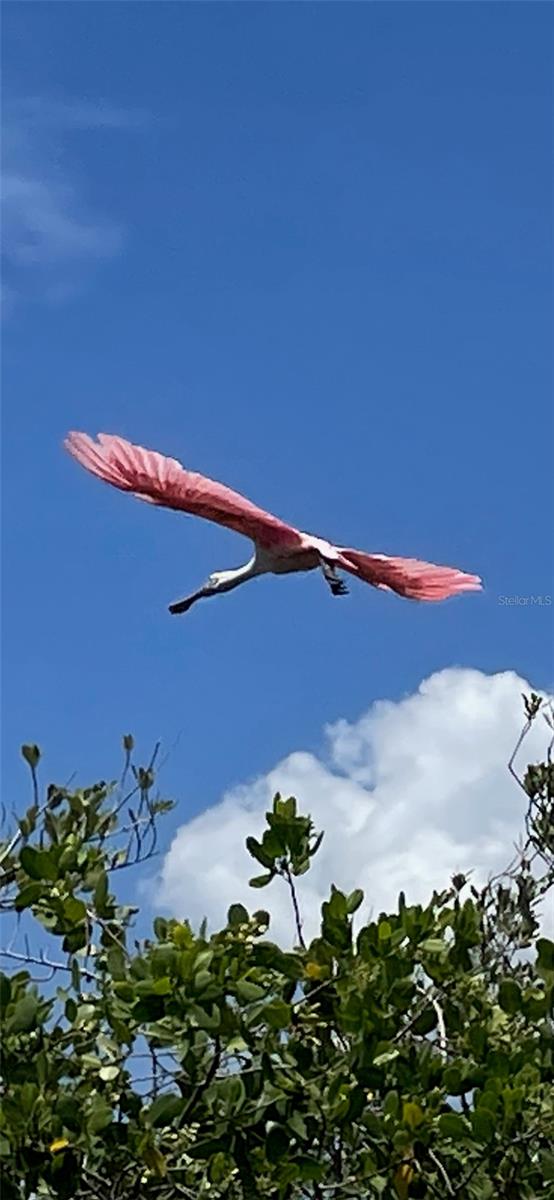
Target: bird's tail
<point x="408" y="576"/>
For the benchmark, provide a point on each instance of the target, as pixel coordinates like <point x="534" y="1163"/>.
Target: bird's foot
<point x="337" y="585"/>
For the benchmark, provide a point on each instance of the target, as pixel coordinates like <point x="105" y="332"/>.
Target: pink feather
<point x="163" y="481"/>
<point x="408" y="576"/>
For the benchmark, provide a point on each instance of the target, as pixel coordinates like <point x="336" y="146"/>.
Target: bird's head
<point x="218" y="581"/>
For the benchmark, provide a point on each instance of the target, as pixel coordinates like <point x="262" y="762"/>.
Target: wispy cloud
<point x="407" y="795"/>
<point x="50" y="234"/>
<point x="42" y="113"/>
<point x="42" y="224"/>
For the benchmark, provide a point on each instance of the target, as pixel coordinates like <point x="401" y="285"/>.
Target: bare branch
<point x="285" y="871"/>
<point x="442" y="1172"/>
<point x="42" y="961"/>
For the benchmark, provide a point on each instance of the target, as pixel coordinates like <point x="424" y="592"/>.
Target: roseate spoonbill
<point x="278" y="548"/>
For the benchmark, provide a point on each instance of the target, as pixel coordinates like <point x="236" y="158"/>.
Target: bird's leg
<point x="337" y="585"/>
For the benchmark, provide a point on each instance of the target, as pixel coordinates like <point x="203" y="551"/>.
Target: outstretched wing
<point x="159" y="480"/>
<point x="407" y="576"/>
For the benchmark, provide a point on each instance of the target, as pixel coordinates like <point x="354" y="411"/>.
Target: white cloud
<point x="407" y="795"/>
<point x="49" y="232"/>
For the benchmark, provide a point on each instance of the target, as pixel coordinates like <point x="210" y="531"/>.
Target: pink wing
<point x="159" y="480"/>
<point x="407" y="576"/>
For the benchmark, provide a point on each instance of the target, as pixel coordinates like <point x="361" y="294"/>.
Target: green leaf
<point x="452" y="1081"/>
<point x="202" y="980"/>
<point x="262" y="917"/>
<point x="219" y="1168"/>
<point x="452" y="1125"/>
<point x="314" y="849"/>
<point x="336" y="905"/>
<point x="68" y="1112"/>
<point x="41" y="1068"/>
<point x="161" y="986"/>
<point x="115" y="960"/>
<point x="74" y="910"/>
<point x="85" y="1013"/>
<point x="298" y="1126"/>
<point x="164" y="1109"/>
<point x="545" y="956"/>
<point x="24" y="1016"/>
<point x="434" y="946"/>
<point x="259" y="853"/>
<point x="277" y="1014"/>
<point x="28" y="895"/>
<point x="28" y="823"/>
<point x="31" y="754"/>
<point x="391" y="1104"/>
<point x="509" y="996"/>
<point x="75" y="975"/>
<point x="287" y="808"/>
<point x="237" y="915"/>
<point x="308" y="1168"/>
<point x="202" y="961"/>
<point x="277" y="1143"/>
<point x="260" y="881"/>
<point x="154" y="1159"/>
<point x="483" y="1124"/>
<point x="547" y="1166"/>
<point x="386" y="1056"/>
<point x="75" y="939"/>
<point x="210" y="1020"/>
<point x="412" y="1114"/>
<point x="426" y="1021"/>
<point x="39" y="864"/>
<point x="91" y="1062"/>
<point x="101" y="893"/>
<point x="70" y="1010"/>
<point x="354" y="900"/>
<point x="99" y="1115"/>
<point x="488" y="1098"/>
<point x="161" y="927"/>
<point x="233" y="1093"/>
<point x="249" y="992"/>
<point x="109" y="1072"/>
<point x="5" y="991"/>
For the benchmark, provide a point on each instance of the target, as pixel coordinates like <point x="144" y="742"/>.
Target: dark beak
<point x="182" y="606"/>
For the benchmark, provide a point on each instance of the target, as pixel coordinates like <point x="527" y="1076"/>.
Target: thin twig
<point x="517" y="746"/>
<point x="45" y="962"/>
<point x="201" y="1087"/>
<point x="105" y="926"/>
<point x="443" y="1046"/>
<point x="442" y="1172"/>
<point x="17" y="838"/>
<point x="285" y="869"/>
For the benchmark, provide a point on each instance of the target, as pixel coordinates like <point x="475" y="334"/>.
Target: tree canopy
<point x="410" y="1056"/>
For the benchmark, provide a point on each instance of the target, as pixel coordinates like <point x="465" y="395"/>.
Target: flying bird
<point x="279" y="549"/>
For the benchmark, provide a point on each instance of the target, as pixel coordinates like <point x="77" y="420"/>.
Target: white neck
<point x="231" y="579"/>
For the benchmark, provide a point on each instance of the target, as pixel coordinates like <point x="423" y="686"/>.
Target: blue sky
<point x="307" y="250"/>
